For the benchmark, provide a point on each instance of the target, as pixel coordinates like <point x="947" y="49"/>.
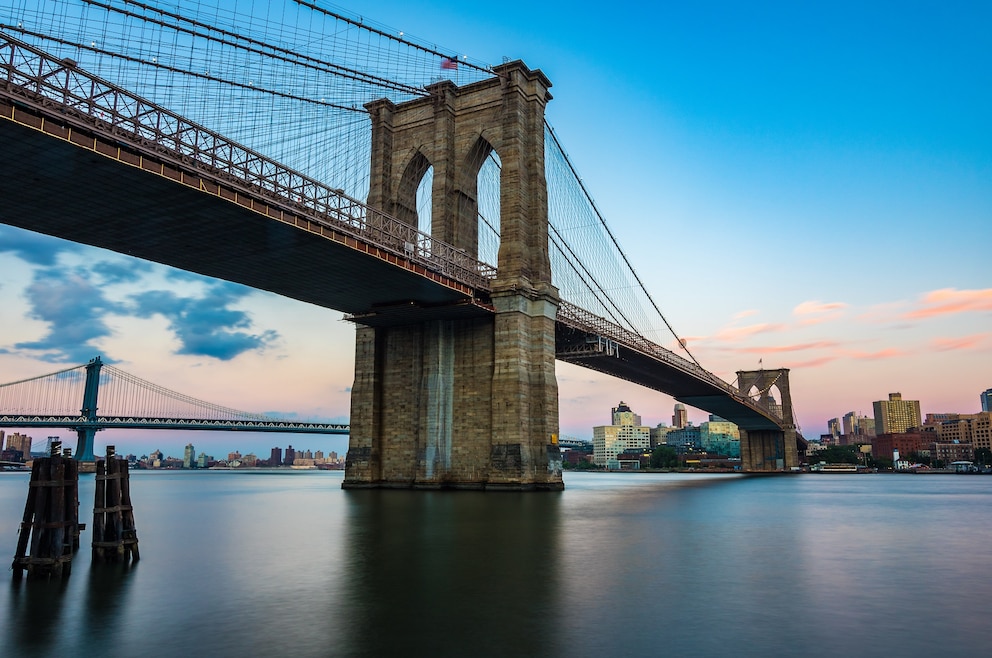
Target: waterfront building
<point x="626" y="432"/>
<point x="981" y="431"/>
<point x="883" y="445"/>
<point x="952" y="452"/>
<point x="202" y="460"/>
<point x="290" y="456"/>
<point x="681" y="417"/>
<point x="720" y="436"/>
<point x="896" y="415"/>
<point x="189" y="456"/>
<point x="275" y="457"/>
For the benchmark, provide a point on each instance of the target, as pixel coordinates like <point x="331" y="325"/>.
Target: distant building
<point x="202" y="460"/>
<point x="686" y="439"/>
<point x="659" y="435"/>
<point x="275" y="457"/>
<point x="18" y="441"/>
<point x="681" y="417"/>
<point x="896" y="415"/>
<point x="611" y="441"/>
<point x="883" y="445"/>
<point x="986" y="399"/>
<point x="290" y="456"/>
<point x="952" y="452"/>
<point x="189" y="456"/>
<point x="834" y="427"/>
<point x="720" y="436"/>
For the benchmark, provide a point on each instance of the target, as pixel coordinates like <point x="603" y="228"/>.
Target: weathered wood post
<point x="114" y="536"/>
<point x="50" y="524"/>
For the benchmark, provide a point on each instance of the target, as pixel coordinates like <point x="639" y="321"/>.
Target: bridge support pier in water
<point x="769" y="450"/>
<point x="463" y="401"/>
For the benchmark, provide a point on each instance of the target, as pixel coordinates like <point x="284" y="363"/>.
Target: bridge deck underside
<point x="51" y="186"/>
<point x="646" y="370"/>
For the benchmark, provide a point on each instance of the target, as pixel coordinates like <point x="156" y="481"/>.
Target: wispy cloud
<point x="815" y="312"/>
<point x="948" y="301"/>
<point x="890" y="353"/>
<point x="745" y="314"/>
<point x="798" y="347"/>
<point x="974" y="341"/>
<point x="731" y="334"/>
<point x="811" y="363"/>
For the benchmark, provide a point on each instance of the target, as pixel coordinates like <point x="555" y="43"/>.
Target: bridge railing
<point x="584" y="320"/>
<point x="43" y="82"/>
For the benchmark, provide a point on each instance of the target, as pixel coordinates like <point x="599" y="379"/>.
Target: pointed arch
<point x="405" y="200"/>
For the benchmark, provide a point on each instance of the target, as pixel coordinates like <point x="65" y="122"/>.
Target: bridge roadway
<point x="70" y="174"/>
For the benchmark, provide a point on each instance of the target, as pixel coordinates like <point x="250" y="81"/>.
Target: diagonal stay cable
<point x="617" y="245"/>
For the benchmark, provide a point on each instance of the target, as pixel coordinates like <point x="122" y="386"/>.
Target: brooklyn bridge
<point x="326" y="161"/>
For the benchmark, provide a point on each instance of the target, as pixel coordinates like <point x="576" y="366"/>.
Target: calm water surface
<point x="286" y="563"/>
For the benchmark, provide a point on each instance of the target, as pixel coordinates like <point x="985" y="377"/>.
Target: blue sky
<point x="809" y="184"/>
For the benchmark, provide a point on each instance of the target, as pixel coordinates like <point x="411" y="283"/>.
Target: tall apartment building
<point x="626" y="432"/>
<point x="681" y="417"/>
<point x="17" y="441"/>
<point x="896" y="415"/>
<point x="189" y="456"/>
<point x="986" y="398"/>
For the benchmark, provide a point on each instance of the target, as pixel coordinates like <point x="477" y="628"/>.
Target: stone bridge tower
<point x="769" y="450"/>
<point x="466" y="402"/>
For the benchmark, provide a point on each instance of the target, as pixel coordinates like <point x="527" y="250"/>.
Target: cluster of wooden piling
<point x="50" y="527"/>
<point x="114" y="536"/>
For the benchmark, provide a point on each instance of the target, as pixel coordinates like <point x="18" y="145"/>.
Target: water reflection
<point x="35" y="611"/>
<point x="451" y="573"/>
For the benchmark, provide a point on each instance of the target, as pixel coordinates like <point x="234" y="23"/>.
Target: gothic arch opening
<point x="405" y="207"/>
<point x="488" y="182"/>
<point x="425" y="201"/>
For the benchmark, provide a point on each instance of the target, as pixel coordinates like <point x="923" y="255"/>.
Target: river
<point x="286" y="563"/>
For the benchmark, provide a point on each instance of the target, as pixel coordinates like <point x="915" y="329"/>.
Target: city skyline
<point x="798" y="188"/>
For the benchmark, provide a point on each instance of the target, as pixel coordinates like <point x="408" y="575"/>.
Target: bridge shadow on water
<point x="446" y="573"/>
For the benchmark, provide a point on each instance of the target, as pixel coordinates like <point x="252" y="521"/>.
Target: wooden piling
<point x="114" y="536"/>
<point x="51" y="519"/>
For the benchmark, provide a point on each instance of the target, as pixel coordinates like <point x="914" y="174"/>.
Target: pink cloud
<point x="815" y="312"/>
<point x="948" y="301"/>
<point x="812" y="363"/>
<point x="731" y="334"/>
<point x="744" y="314"/>
<point x="890" y="353"/>
<point x="799" y="347"/>
<point x="962" y="343"/>
<point x="811" y="308"/>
